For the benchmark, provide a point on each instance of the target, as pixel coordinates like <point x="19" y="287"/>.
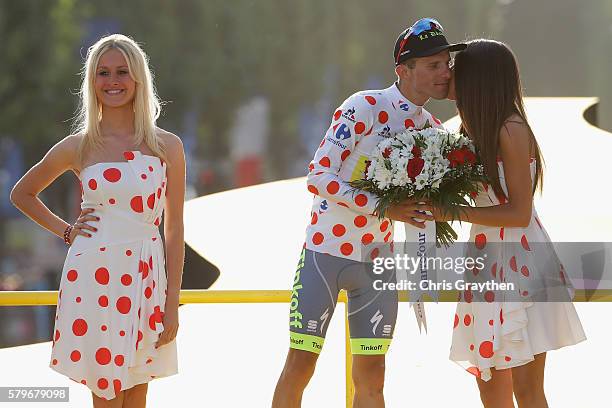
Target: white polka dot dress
<point x="113" y="286"/>
<point x="496" y="332"/>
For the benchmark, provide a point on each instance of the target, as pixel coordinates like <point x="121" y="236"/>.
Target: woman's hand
<point x="171" y="324"/>
<point x="408" y="210"/>
<point x="80" y="227"/>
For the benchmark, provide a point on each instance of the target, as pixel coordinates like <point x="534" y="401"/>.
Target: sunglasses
<point x="424" y="24"/>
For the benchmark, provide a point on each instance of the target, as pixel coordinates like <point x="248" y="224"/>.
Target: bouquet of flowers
<point x="430" y="165"/>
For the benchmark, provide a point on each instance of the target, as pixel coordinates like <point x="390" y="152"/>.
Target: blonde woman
<point x="117" y="311"/>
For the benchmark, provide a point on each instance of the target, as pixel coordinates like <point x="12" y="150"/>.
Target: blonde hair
<point x="147" y="106"/>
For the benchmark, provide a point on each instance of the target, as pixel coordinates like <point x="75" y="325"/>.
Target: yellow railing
<point x="48" y="298"/>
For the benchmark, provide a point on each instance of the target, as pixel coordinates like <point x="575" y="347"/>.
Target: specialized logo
<point x="324" y="318"/>
<point x="312" y="326"/>
<point x="295" y="317"/>
<point x="342" y="132"/>
<point x="376" y="319"/>
<point x="349" y="114"/>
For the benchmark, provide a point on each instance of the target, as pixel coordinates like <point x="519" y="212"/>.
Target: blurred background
<point x="249" y="86"/>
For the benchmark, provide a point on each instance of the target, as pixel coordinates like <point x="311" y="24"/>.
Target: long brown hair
<point x="488" y="91"/>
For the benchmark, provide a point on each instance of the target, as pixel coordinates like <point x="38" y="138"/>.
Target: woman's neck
<point x="117" y="122"/>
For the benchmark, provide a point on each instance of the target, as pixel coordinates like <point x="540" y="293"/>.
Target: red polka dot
<point x="126" y="279"/>
<point x="325" y="162"/>
<point x="525" y="271"/>
<point x="346" y="249"/>
<point x="150" y="168"/>
<point x="119" y="360"/>
<point x="501" y="316"/>
<point x="471" y="347"/>
<point x="513" y="264"/>
<point x="367" y="239"/>
<point x="388" y="236"/>
<point x="480" y="241"/>
<point x="313" y="189"/>
<point x="360" y="221"/>
<point x="486" y="349"/>
<point x="489" y="296"/>
<point x="525" y="243"/>
<point x="345" y="154"/>
<point x="409" y="123"/>
<point x="79" y="327"/>
<point x="124" y="304"/>
<point x="317" y="238"/>
<point x="371" y="100"/>
<point x="122" y="333"/>
<point x="333" y="187"/>
<point x="491" y="322"/>
<point x="78" y="299"/>
<point x="128" y="252"/>
<point x="75" y="355"/>
<point x="151" y="201"/>
<point x="111" y="201"/>
<point x="384" y="226"/>
<point x="92" y="184"/>
<point x="84" y="382"/>
<point x="501" y="233"/>
<point x="143" y="176"/>
<point x="103" y="301"/>
<point x="383" y="117"/>
<point x="468" y="296"/>
<point x="136" y="204"/>
<point x="113" y="175"/>
<point x="359" y="127"/>
<point x="507" y="358"/>
<point x="374" y="253"/>
<point x="54" y="361"/>
<point x="148" y="292"/>
<point x="103" y="383"/>
<point x="159" y="191"/>
<point x="72" y="275"/>
<point x="139" y="339"/>
<point x="117" y="385"/>
<point x="103" y="327"/>
<point x="103" y="249"/>
<point x="467" y="319"/>
<point x="361" y="200"/>
<point x="525" y="293"/>
<point x="145" y="270"/>
<point x="456" y="321"/>
<point x="57" y="335"/>
<point x="128" y="155"/>
<point x="102" y="276"/>
<point x="339" y="230"/>
<point x="314" y="219"/>
<point x="474" y="371"/>
<point x="337" y="114"/>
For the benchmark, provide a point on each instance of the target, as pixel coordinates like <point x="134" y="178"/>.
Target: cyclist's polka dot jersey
<point x="342" y="222"/>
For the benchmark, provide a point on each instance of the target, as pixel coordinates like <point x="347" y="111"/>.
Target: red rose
<point x="415" y="166"/>
<point x="468" y="155"/>
<point x="456" y="158"/>
<point x="386" y="153"/>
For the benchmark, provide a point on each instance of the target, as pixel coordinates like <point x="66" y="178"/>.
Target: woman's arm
<point x="24" y="195"/>
<point x="515" y="146"/>
<point x="173" y="233"/>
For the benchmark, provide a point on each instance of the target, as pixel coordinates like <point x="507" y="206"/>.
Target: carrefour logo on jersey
<point x="342" y="132"/>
